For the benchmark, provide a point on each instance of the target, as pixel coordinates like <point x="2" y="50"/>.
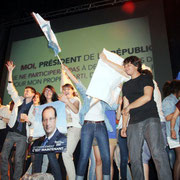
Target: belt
<point x="94" y="122"/>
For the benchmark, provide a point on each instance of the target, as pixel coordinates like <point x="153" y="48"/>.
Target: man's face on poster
<point x="49" y="121"/>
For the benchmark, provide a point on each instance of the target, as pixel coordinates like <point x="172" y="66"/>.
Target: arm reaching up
<point x="11" y="89"/>
<point x="116" y="67"/>
<point x="10" y="67"/>
<point x="68" y="72"/>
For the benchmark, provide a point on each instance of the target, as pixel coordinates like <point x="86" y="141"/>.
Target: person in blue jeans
<point x="94" y="125"/>
<point x="122" y="142"/>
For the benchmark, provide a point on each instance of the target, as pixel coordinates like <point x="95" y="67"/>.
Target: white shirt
<point x="95" y="112"/>
<point x="71" y="117"/>
<point x="158" y="100"/>
<point x="5" y="113"/>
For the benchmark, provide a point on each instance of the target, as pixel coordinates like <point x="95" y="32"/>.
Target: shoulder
<point x="58" y="134"/>
<point x="146" y="80"/>
<point x="169" y="98"/>
<point x="169" y="101"/>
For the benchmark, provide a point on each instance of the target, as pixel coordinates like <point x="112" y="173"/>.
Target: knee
<point x="98" y="162"/>
<point x="135" y="160"/>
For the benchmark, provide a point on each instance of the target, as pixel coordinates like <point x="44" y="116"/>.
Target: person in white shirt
<point x="19" y="132"/>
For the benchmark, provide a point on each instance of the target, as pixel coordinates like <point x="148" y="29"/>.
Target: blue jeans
<point x="92" y="173"/>
<point x="172" y="156"/>
<point x="88" y="132"/>
<point x="123" y="155"/>
<point x="54" y="164"/>
<point x="149" y="130"/>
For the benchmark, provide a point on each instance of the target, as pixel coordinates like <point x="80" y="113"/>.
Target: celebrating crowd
<point x="138" y="123"/>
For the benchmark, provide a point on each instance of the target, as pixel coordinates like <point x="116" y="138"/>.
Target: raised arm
<point x="11" y="89"/>
<point x="79" y="85"/>
<point x="116" y="67"/>
<point x="73" y="106"/>
<point x="10" y="67"/>
<point x="68" y="72"/>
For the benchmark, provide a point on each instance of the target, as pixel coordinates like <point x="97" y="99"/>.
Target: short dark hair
<point x="135" y="61"/>
<point x="49" y="107"/>
<point x="175" y="86"/>
<point x="166" y="89"/>
<point x="32" y="89"/>
<point x="171" y="87"/>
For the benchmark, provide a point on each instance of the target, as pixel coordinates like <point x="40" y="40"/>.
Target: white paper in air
<point x="105" y="81"/>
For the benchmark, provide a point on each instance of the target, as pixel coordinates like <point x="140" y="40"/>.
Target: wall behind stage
<point x="82" y="37"/>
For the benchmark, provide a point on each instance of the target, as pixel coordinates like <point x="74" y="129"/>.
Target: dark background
<point x="16" y="23"/>
<point x="15" y="14"/>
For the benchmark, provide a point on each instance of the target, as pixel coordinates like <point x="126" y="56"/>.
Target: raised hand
<point x="10" y="66"/>
<point x="103" y="56"/>
<point x="63" y="98"/>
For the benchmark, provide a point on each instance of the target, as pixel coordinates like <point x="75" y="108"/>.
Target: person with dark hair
<point x="174" y="135"/>
<point x="166" y="89"/>
<point x="48" y="95"/>
<point x="146" y="155"/>
<point x="144" y="122"/>
<point x="169" y="107"/>
<point x="49" y="118"/>
<point x="73" y="104"/>
<point x="19" y="132"/>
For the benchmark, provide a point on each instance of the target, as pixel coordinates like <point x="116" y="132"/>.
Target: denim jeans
<point x="149" y="130"/>
<point x="172" y="156"/>
<point x="88" y="132"/>
<point x="92" y="167"/>
<point x="123" y="155"/>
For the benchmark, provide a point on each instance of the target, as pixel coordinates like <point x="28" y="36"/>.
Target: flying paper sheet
<point x="105" y="81"/>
